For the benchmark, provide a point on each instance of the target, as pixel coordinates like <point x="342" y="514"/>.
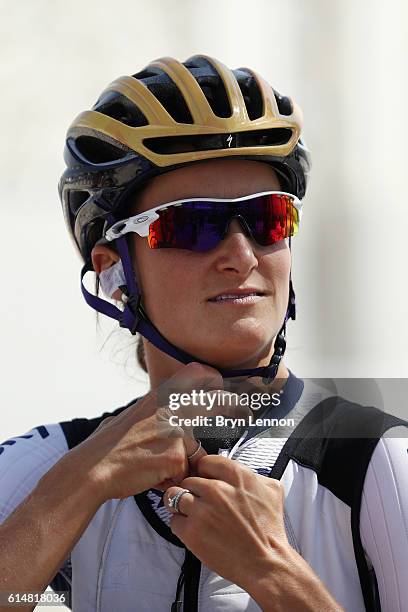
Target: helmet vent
<point x="144" y="74"/>
<point x="97" y="151"/>
<point x="211" y="85"/>
<point x="169" y="145"/>
<point x="216" y="97"/>
<point x="120" y="108"/>
<point x="284" y="103"/>
<point x="167" y="93"/>
<point x="251" y="93"/>
<point x="76" y="199"/>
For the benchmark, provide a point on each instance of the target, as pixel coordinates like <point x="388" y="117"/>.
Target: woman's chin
<point x="240" y="351"/>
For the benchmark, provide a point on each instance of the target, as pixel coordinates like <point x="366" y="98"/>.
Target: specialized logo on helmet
<point x="229" y="140"/>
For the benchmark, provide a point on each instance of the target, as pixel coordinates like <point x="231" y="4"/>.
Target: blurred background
<point x="345" y="64"/>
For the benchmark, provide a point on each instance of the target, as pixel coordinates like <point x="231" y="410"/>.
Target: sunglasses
<point x="199" y="224"/>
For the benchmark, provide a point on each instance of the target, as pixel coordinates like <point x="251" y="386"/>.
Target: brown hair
<point x="140" y="354"/>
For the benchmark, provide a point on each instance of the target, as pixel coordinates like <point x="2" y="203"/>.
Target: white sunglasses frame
<point x="140" y="223"/>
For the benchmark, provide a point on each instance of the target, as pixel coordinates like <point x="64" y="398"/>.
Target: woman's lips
<point x="247" y="297"/>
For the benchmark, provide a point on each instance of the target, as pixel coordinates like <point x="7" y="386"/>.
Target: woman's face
<point x="177" y="285"/>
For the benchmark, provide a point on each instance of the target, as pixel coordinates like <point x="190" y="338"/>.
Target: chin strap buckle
<point x="132" y="309"/>
<point x="271" y="370"/>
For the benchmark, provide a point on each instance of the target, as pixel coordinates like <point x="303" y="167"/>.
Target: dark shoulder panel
<point x="77" y="430"/>
<point x="336" y="439"/>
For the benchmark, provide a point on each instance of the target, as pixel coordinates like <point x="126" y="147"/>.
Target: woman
<point x="182" y="192"/>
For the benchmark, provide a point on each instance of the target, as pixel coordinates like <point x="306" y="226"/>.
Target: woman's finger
<point x="179" y="501"/>
<point x="195" y="452"/>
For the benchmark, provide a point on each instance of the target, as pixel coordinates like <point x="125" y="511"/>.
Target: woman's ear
<point x="103" y="258"/>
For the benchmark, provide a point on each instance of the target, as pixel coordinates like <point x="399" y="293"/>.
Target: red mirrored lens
<point x="271" y="218"/>
<point x="200" y="225"/>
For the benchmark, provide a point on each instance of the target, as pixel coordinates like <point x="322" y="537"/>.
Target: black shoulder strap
<point x="78" y="430"/>
<point x="337" y="439"/>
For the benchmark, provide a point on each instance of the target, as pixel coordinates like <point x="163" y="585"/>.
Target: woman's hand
<point x="233" y="522"/>
<point x="233" y="518"/>
<point x="139" y="449"/>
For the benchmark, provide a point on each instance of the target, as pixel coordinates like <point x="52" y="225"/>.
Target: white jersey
<point x="128" y="559"/>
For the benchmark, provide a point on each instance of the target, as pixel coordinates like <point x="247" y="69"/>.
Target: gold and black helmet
<point x="168" y="115"/>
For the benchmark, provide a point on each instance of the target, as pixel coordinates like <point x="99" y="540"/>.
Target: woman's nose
<point x="235" y="252"/>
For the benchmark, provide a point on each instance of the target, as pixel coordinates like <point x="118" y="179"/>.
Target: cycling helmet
<point x="168" y="115"/>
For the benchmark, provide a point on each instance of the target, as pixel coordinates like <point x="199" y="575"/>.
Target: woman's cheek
<point x="170" y="292"/>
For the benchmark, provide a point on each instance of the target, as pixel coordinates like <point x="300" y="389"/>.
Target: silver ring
<point x="196" y="451"/>
<point x="175" y="500"/>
